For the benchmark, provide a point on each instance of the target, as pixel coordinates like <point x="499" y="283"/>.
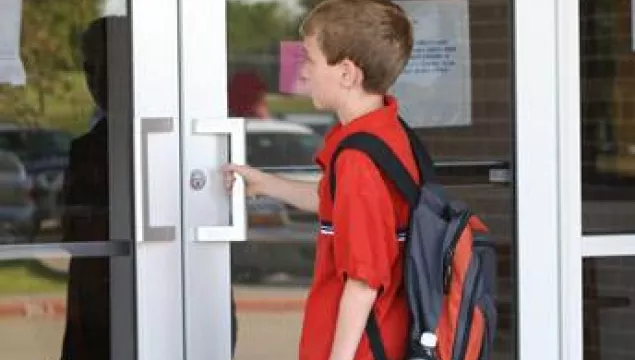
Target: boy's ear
<point x="351" y="75"/>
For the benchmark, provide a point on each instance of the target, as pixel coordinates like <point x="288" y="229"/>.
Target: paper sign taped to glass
<point x="434" y="89"/>
<point x="11" y="68"/>
<point x="291" y="57"/>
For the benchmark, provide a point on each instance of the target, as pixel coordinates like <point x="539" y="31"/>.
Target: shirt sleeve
<point x="365" y="242"/>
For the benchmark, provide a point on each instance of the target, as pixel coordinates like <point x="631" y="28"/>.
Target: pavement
<point x="262" y="336"/>
<point x="269" y="323"/>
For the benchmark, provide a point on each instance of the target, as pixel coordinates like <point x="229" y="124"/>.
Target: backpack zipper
<point x="470" y="313"/>
<point x="449" y="256"/>
<point x="486" y="308"/>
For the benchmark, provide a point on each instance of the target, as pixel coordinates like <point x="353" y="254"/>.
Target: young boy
<point x="355" y="49"/>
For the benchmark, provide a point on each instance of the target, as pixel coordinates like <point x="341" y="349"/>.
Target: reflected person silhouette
<point x="247" y="96"/>
<point x="86" y="216"/>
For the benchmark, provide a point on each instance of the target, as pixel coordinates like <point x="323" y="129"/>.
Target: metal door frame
<point x="156" y="168"/>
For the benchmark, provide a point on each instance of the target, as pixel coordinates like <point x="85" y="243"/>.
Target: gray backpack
<point x="450" y="265"/>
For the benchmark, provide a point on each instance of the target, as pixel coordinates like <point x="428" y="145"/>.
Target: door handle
<point x="205" y="230"/>
<point x="155" y="196"/>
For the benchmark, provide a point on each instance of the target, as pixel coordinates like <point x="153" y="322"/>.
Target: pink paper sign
<point x="291" y="56"/>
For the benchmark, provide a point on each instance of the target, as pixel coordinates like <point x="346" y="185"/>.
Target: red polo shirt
<point x="363" y="241"/>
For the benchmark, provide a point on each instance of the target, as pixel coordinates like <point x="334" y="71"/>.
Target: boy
<point x="355" y="49"/>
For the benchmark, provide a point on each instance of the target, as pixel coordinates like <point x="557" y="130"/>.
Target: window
<point x="608" y="116"/>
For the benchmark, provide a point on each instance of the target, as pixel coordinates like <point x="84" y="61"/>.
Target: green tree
<point x="50" y="51"/>
<point x="257" y="27"/>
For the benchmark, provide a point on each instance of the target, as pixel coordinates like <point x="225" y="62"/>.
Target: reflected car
<point x="17" y="205"/>
<point x="281" y="237"/>
<point x="44" y="154"/>
<point x="319" y="122"/>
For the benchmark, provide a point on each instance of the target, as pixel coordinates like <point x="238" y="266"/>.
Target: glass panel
<point x="53" y="130"/>
<point x="475" y="159"/>
<point x="55" y="146"/>
<point x="55" y="308"/>
<point x="272" y="271"/>
<point x="609" y="308"/>
<point x="608" y="116"/>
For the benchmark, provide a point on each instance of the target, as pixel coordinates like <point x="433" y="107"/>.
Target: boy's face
<point x="323" y="80"/>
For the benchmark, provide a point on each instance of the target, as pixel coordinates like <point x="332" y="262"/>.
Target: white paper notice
<point x="113" y="7"/>
<point x="435" y="88"/>
<point x="11" y="68"/>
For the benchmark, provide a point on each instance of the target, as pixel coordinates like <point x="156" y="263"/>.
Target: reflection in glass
<point x="33" y="307"/>
<point x="608" y="116"/>
<point x="47" y="123"/>
<point x="609" y="308"/>
<point x="291" y="146"/>
<point x="54" y="180"/>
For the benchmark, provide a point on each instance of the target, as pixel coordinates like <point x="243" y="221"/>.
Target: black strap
<point x="374" y="337"/>
<point x="384" y="158"/>
<point x="421" y="155"/>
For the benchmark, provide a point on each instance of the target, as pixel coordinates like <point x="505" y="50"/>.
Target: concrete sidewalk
<point x="269" y="324"/>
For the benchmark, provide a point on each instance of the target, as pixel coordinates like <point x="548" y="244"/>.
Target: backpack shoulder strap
<point x="424" y="161"/>
<point x="384" y="158"/>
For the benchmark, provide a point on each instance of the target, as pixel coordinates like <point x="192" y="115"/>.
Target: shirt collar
<point x="370" y="122"/>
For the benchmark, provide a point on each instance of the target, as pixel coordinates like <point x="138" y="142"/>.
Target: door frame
<point x="182" y="256"/>
<point x="537" y="179"/>
<point x="211" y="218"/>
<point x="155" y="170"/>
<point x="569" y="178"/>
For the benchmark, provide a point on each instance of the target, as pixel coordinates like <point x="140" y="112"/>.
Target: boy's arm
<point x="301" y="194"/>
<point x="356" y="304"/>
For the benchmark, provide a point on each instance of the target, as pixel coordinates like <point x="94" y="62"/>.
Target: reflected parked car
<point x="281" y="237"/>
<point x="17" y="206"/>
<point x="319" y="122"/>
<point x="44" y="155"/>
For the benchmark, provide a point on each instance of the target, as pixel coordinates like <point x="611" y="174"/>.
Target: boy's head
<point x="354" y="46"/>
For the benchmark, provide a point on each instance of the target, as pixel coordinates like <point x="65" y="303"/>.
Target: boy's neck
<point x="356" y="108"/>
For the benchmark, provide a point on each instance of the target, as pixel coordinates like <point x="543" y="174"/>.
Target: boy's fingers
<point x="227" y="168"/>
<point x="228" y="175"/>
<point x="233" y="168"/>
<point x="229" y="180"/>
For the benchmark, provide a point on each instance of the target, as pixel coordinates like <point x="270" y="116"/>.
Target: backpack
<point x="449" y="262"/>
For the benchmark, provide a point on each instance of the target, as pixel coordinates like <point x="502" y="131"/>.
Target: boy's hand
<point x="255" y="179"/>
<point x="301" y="194"/>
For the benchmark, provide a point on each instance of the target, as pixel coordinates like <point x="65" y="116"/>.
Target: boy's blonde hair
<point x="374" y="34"/>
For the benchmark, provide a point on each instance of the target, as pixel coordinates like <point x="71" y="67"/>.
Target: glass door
<point x="240" y="59"/>
<point x="90" y="254"/>
<point x="597" y="143"/>
<point x="497" y="146"/>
